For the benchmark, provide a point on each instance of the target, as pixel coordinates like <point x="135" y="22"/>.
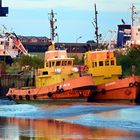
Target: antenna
<point x="133" y="13"/>
<point x="95" y="24"/>
<point x="53" y="27"/>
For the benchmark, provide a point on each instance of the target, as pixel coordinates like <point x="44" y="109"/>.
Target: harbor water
<point x="69" y="121"/>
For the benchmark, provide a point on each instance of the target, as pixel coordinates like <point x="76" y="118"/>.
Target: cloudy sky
<point x="74" y="17"/>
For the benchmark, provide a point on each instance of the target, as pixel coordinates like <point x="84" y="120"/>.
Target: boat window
<point x="64" y="63"/>
<point x="100" y="63"/>
<point x="69" y="63"/>
<point x="46" y="64"/>
<point x="95" y="64"/>
<point x="45" y="73"/>
<point x="112" y="62"/>
<point x="53" y="63"/>
<point x="58" y="63"/>
<point x="1" y="43"/>
<point x="107" y="63"/>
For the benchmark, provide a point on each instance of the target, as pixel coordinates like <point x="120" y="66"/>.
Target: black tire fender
<point x="27" y="97"/>
<point x="49" y="94"/>
<point x="136" y="84"/>
<point x="20" y="97"/>
<point x="34" y="97"/>
<point x="131" y="84"/>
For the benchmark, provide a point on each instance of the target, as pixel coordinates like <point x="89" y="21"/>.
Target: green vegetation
<point x="25" y="60"/>
<point x="126" y="61"/>
<point x="78" y="60"/>
<point x="32" y="61"/>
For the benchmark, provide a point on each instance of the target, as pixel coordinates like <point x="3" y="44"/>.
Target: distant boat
<point x="10" y="47"/>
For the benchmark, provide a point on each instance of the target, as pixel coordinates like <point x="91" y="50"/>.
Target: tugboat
<point x="59" y="79"/>
<point x="107" y="77"/>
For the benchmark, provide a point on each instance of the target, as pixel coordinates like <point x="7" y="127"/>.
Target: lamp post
<point x="78" y="38"/>
<point x="76" y="42"/>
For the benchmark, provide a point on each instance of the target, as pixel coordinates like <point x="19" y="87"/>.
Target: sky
<point x="74" y="17"/>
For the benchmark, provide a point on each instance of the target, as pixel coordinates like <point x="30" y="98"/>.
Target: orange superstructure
<point x="59" y="79"/>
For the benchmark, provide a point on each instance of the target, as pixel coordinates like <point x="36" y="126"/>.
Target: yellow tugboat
<point x="107" y="77"/>
<point x="59" y="79"/>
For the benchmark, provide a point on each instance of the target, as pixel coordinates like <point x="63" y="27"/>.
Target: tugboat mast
<point x="53" y="27"/>
<point x="96" y="27"/>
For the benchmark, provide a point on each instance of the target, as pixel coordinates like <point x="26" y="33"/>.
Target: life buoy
<point x="86" y="68"/>
<point x="136" y="83"/>
<point x="27" y="97"/>
<point x="57" y="90"/>
<point x="62" y="90"/>
<point x="131" y="84"/>
<point x="127" y="92"/>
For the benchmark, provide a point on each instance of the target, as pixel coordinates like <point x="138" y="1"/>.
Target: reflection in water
<point x="79" y="121"/>
<point x="42" y="129"/>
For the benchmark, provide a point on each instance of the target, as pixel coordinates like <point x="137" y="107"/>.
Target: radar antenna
<point x="53" y="27"/>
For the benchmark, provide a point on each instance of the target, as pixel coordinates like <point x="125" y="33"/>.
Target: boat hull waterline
<point x="125" y="90"/>
<point x="80" y="87"/>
